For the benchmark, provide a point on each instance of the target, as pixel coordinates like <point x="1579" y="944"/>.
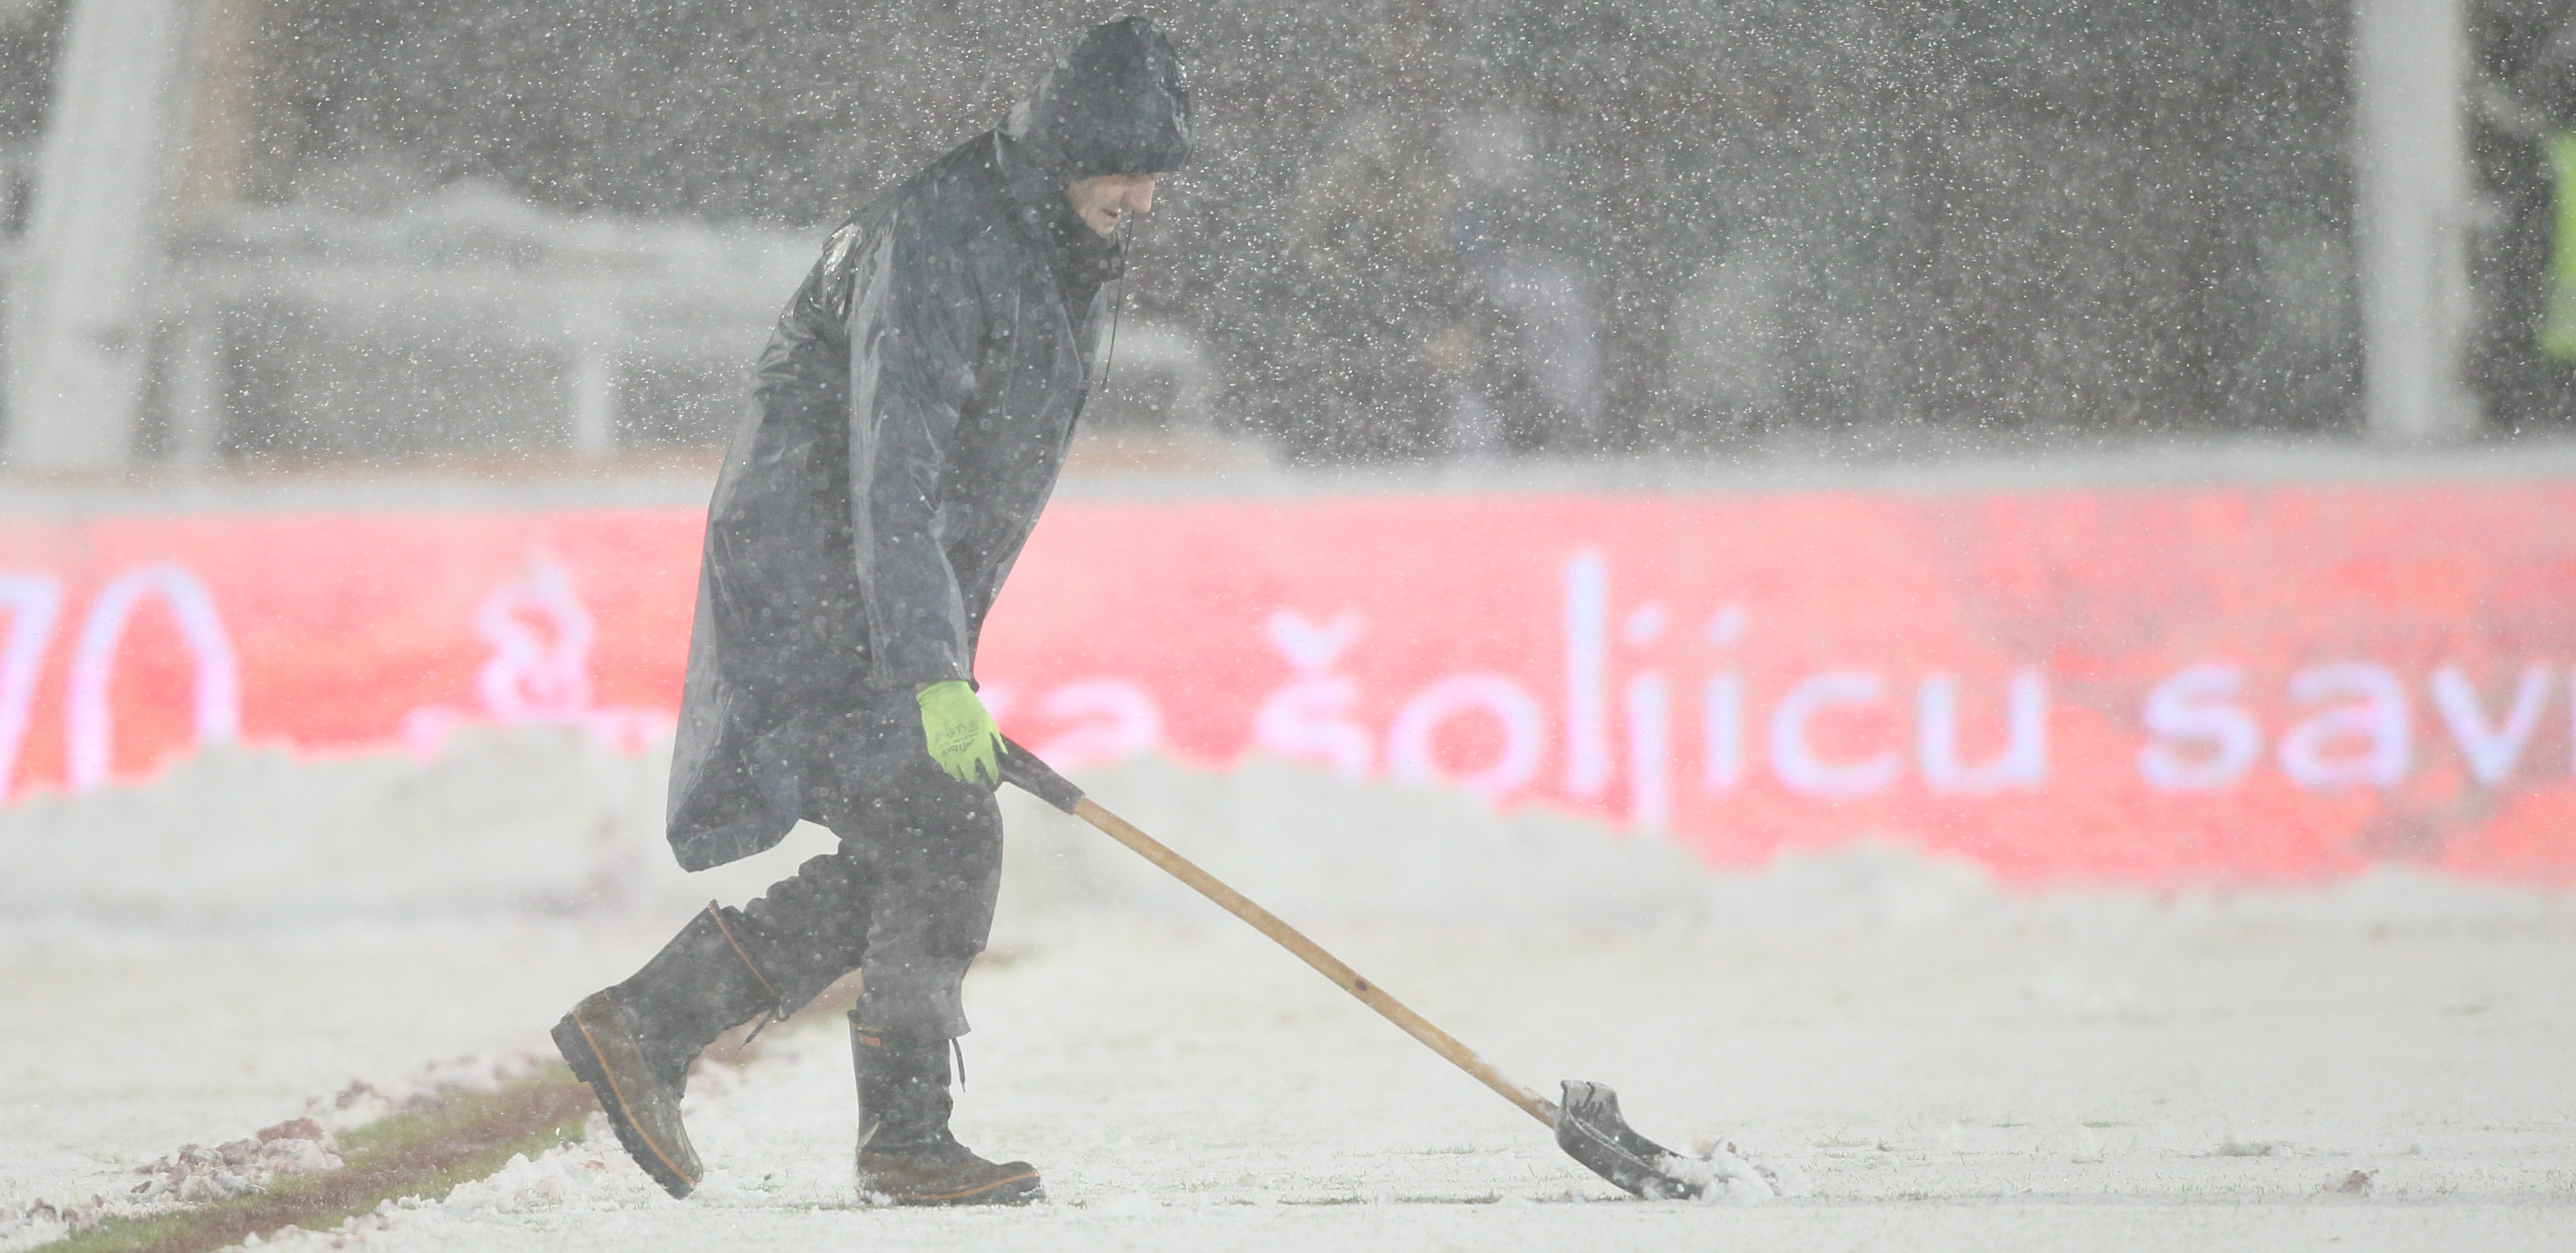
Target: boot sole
<point x="1019" y="1189"/>
<point x="572" y="1039"/>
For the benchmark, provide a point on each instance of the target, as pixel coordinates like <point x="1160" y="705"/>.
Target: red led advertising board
<point x="2157" y="686"/>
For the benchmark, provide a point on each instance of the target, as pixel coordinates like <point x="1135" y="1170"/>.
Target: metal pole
<point x="78" y="333"/>
<point x="195" y="388"/>
<point x="592" y="336"/>
<point x="2413" y="208"/>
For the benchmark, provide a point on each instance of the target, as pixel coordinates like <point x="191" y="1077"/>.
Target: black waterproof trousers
<point x="908" y="899"/>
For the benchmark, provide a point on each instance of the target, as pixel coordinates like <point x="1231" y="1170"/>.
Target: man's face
<point x="1110" y="199"/>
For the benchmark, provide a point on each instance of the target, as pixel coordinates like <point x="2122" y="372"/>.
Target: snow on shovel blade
<point x="1590" y="1128"/>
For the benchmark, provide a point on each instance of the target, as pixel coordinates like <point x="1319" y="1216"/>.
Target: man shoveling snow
<point x="910" y="416"/>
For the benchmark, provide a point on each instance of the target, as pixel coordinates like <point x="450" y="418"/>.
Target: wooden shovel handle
<point x="1313" y="954"/>
<point x="1024" y="769"/>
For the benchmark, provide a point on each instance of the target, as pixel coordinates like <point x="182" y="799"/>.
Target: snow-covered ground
<point x="2382" y="1064"/>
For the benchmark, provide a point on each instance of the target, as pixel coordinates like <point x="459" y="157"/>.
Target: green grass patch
<point x="420" y="1154"/>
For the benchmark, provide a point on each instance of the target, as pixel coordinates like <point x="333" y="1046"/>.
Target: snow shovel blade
<point x="1591" y="1130"/>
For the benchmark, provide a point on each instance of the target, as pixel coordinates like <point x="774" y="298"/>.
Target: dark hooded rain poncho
<point x="907" y="424"/>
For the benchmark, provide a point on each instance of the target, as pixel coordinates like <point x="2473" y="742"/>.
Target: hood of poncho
<point x="1116" y="105"/>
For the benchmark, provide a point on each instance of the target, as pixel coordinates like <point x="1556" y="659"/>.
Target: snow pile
<point x="531" y="820"/>
<point x="298" y="1146"/>
<point x="2388" y="894"/>
<point x="1725" y="1174"/>
<point x="192" y="1175"/>
<point x="1870" y="885"/>
<point x="43" y="1222"/>
<point x="351" y="1233"/>
<point x="1318" y="849"/>
<point x="590" y="1174"/>
<point x="537" y="821"/>
<point x="549" y="1181"/>
<point x="524" y="820"/>
<point x="363" y="1102"/>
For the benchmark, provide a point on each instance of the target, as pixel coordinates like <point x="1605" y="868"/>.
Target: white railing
<point x="601" y="298"/>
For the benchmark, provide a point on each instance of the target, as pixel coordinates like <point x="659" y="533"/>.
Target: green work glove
<point x="2558" y="330"/>
<point x="961" y="736"/>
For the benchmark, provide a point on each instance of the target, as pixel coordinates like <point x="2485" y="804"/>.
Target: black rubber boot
<point x="633" y="1042"/>
<point x="702" y="984"/>
<point x="906" y="1154"/>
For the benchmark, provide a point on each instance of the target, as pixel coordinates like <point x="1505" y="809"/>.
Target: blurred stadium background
<point x="551" y="233"/>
